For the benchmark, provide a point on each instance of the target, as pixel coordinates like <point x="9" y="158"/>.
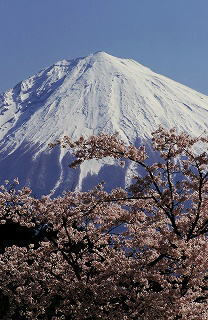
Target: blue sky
<point x="169" y="36"/>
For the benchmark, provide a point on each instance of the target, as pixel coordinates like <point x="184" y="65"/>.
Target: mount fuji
<point x="87" y="96"/>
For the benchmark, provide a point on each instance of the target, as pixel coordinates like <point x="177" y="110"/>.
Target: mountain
<point x="85" y="96"/>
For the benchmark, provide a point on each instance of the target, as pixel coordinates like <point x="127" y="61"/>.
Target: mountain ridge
<point x="85" y="96"/>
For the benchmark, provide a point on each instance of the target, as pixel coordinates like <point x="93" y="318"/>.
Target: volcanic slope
<point x="85" y="96"/>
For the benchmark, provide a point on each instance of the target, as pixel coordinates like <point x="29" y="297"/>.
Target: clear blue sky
<point x="169" y="36"/>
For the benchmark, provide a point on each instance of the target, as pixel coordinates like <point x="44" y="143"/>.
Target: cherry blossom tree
<point x="140" y="253"/>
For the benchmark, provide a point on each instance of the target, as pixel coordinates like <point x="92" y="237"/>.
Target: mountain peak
<point x="101" y="53"/>
<point x="101" y="56"/>
<point x="86" y="96"/>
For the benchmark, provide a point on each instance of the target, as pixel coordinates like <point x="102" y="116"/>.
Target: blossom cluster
<point x="137" y="254"/>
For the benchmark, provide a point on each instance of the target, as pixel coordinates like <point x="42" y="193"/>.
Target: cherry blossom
<point x="140" y="253"/>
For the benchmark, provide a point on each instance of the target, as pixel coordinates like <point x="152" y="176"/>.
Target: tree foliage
<point x="140" y="253"/>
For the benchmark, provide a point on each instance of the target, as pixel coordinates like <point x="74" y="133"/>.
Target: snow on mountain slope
<point x="85" y="96"/>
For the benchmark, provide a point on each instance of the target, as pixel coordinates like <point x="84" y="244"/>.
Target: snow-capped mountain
<point x="85" y="96"/>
